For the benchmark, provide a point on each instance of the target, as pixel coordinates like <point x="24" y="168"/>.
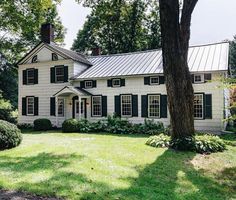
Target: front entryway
<point x="79" y="109"/>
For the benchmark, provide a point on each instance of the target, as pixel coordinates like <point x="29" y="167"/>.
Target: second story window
<point x="198" y="78"/>
<point x="116" y="83"/>
<point x="154" y="80"/>
<point x="30" y="76"/>
<point x="59" y="74"/>
<point x="88" y="84"/>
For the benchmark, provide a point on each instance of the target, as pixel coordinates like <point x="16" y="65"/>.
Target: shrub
<point x="183" y="144"/>
<point x="70" y="125"/>
<point x="159" y="141"/>
<point x="42" y="124"/>
<point x="97" y="127"/>
<point x="84" y="126"/>
<point x="25" y="126"/>
<point x="10" y="135"/>
<point x="151" y="127"/>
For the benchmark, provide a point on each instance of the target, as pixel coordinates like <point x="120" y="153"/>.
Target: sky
<point x="212" y="20"/>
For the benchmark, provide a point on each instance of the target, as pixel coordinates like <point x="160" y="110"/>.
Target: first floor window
<point x="198" y="106"/>
<point x="59" y="74"/>
<point x="154" y="80"/>
<point x="154" y="106"/>
<point x="60" y="111"/>
<point x="30" y="105"/>
<point x="126" y="105"/>
<point x="96" y="106"/>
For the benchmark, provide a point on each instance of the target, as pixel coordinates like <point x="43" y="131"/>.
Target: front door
<point x="79" y="107"/>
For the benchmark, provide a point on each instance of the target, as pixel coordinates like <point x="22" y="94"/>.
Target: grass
<point x="106" y="167"/>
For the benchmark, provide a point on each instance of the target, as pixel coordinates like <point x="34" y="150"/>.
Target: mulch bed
<point x="15" y="195"/>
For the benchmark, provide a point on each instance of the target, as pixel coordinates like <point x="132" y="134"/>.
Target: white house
<point x="58" y="84"/>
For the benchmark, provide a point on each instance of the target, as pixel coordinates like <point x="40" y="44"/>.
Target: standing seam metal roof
<point x="203" y="58"/>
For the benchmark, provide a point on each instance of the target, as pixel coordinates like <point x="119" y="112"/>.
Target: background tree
<point x="119" y="26"/>
<point x="232" y="56"/>
<point x="175" y="33"/>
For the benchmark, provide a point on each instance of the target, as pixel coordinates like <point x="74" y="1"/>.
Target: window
<point x="59" y="74"/>
<point x="198" y="78"/>
<point x="35" y="59"/>
<point x="126" y="105"/>
<point x="198" y="106"/>
<point x="96" y="106"/>
<point x="30" y="76"/>
<point x="154" y="106"/>
<point x="154" y="80"/>
<point x="54" y="57"/>
<point x="88" y="84"/>
<point x="60" y="110"/>
<point x="116" y="82"/>
<point x="30" y="105"/>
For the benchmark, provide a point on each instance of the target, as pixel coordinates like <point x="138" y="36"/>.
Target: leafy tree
<point x="232" y="56"/>
<point x="175" y="33"/>
<point x="119" y="26"/>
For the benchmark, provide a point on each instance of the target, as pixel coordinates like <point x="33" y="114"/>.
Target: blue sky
<point x="212" y="21"/>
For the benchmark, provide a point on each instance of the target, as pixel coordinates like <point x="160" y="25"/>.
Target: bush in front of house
<point x="159" y="141"/>
<point x="10" y="135"/>
<point x="42" y="124"/>
<point x="70" y="125"/>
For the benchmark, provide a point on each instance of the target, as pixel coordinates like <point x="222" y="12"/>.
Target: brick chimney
<point x="96" y="51"/>
<point x="47" y="33"/>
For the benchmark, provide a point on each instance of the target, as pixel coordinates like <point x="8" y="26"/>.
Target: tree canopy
<point x="232" y="56"/>
<point x="119" y="26"/>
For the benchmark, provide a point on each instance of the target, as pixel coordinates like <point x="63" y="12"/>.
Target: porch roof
<point x="72" y="90"/>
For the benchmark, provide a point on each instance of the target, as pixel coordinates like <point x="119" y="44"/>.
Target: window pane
<point x="61" y="107"/>
<point x="116" y="82"/>
<point x="88" y="84"/>
<point x="30" y="105"/>
<point x="198" y="106"/>
<point x="126" y="105"/>
<point x="59" y="74"/>
<point x="154" y="80"/>
<point x="97" y="106"/>
<point x="154" y="105"/>
<point x="30" y="76"/>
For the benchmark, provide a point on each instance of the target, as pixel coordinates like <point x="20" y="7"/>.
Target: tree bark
<point x="175" y="32"/>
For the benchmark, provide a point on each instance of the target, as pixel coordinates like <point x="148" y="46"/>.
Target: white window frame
<point x="27" y="76"/>
<point x="27" y="103"/>
<point x="93" y="115"/>
<point x="202" y="78"/>
<point x="202" y="104"/>
<point x="152" y="77"/>
<point x="116" y="85"/>
<point x="121" y="109"/>
<point x="149" y="96"/>
<point x="63" y="114"/>
<point x="57" y="67"/>
<point x="88" y="84"/>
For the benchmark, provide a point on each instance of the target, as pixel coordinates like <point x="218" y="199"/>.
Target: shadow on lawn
<point x="172" y="176"/>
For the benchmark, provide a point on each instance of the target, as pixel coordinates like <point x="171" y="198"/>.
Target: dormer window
<point x="198" y="78"/>
<point x="154" y="80"/>
<point x="35" y="59"/>
<point x="116" y="83"/>
<point x="54" y="56"/>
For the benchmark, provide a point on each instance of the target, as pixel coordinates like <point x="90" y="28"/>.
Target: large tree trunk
<point x="175" y="32"/>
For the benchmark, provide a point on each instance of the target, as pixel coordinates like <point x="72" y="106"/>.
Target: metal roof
<point x="203" y="58"/>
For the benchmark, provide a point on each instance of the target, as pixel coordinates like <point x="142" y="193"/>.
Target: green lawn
<point x="101" y="166"/>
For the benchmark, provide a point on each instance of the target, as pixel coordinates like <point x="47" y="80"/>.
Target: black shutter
<point x="36" y="106"/>
<point x="23" y="106"/>
<point x="135" y="105"/>
<point x="144" y="107"/>
<point x="208" y="106"/>
<point x="207" y="77"/>
<point x="146" y="80"/>
<point x="122" y="82"/>
<point x="52" y="71"/>
<point x="104" y="106"/>
<point x="35" y="76"/>
<point x="192" y="77"/>
<point x="94" y="84"/>
<point x="66" y="74"/>
<point x="82" y="85"/>
<point x="24" y="77"/>
<point x="163" y="110"/>
<point x="52" y="106"/>
<point x="109" y="83"/>
<point x="117" y="106"/>
<point x="161" y="80"/>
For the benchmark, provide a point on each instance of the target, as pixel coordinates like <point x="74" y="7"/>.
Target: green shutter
<point x="52" y="71"/>
<point x="144" y="107"/>
<point x="109" y="83"/>
<point x="117" y="106"/>
<point x="161" y="80"/>
<point x="94" y="84"/>
<point x="23" y="106"/>
<point x="82" y="84"/>
<point x="52" y="106"/>
<point x="146" y="80"/>
<point x="163" y="109"/>
<point x="104" y="106"/>
<point x="192" y="77"/>
<point x="208" y="106"/>
<point x="24" y="77"/>
<point x="35" y="76"/>
<point x="36" y="106"/>
<point x="66" y="77"/>
<point x="122" y="82"/>
<point x="135" y="105"/>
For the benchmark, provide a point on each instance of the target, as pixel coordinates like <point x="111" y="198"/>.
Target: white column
<point x="56" y="111"/>
<point x="79" y="100"/>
